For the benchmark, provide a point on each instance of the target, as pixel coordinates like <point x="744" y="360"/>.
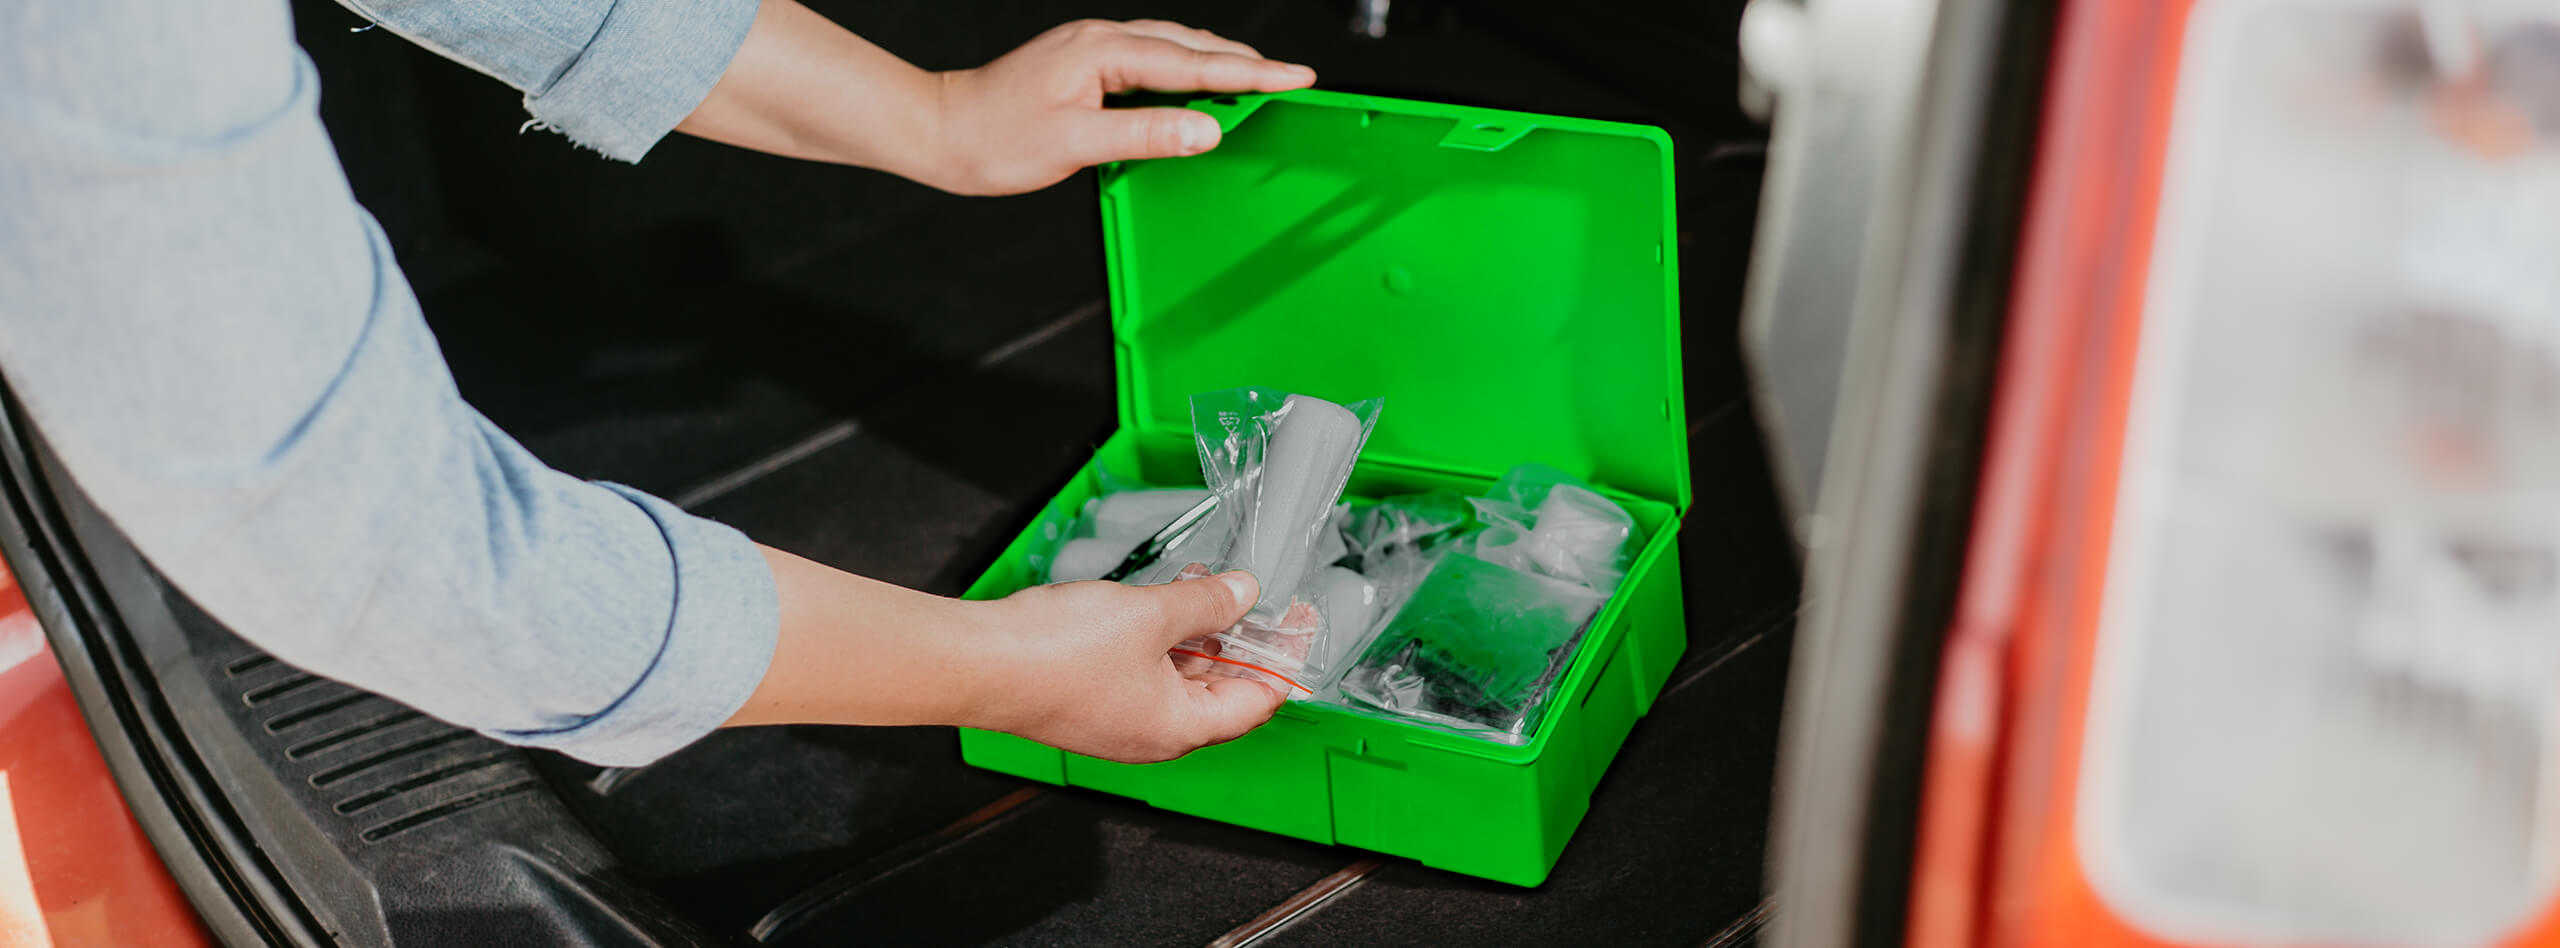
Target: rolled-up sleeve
<point x="217" y="343"/>
<point x="714" y="653"/>
<point x="613" y="75"/>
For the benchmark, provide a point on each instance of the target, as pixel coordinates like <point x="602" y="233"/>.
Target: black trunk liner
<point x="1073" y="868"/>
<point x="1670" y="853"/>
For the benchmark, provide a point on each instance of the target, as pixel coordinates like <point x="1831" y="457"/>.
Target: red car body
<point x="75" y="869"/>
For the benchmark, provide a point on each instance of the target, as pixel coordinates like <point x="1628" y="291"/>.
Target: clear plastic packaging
<point x="1407" y="524"/>
<point x="1114" y="524"/>
<point x="1134" y="515"/>
<point x="1203" y="544"/>
<point x="1390" y="544"/>
<point x="1545" y="521"/>
<point x="1331" y="548"/>
<point x="1476" y="649"/>
<point x="1278" y="464"/>
<point x="1482" y="622"/>
<point x="1085" y="558"/>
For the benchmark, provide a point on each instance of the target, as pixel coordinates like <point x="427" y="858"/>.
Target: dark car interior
<point x="816" y="355"/>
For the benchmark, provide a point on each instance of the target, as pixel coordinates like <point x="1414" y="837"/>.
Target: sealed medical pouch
<point x="1277" y="464"/>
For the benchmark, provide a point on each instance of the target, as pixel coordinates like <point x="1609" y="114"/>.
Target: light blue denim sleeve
<point x="613" y="75"/>
<point x="216" y="341"/>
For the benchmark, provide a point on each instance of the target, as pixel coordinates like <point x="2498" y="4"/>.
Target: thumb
<point x="1131" y="134"/>
<point x="1199" y="605"/>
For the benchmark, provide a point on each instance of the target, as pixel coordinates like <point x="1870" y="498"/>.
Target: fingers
<point x="1131" y="134"/>
<point x="1201" y="607"/>
<point x="1163" y="65"/>
<point x="1228" y="707"/>
<point x="1163" y="57"/>
<point x="1198" y="39"/>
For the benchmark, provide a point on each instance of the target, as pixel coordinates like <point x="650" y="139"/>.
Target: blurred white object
<point x="1369" y="18"/>
<point x="1776" y="48"/>
<point x="2328" y="675"/>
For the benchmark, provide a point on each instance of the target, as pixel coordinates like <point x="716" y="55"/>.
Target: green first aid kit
<point x="1507" y="284"/>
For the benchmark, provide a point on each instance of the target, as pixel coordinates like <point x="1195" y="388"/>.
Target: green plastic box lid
<point x="1507" y="282"/>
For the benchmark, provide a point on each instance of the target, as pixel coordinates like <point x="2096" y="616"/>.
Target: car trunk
<point x="818" y="356"/>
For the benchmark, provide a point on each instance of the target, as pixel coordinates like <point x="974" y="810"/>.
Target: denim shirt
<point x="217" y="343"/>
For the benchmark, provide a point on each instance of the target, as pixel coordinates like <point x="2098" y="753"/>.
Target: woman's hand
<point x="1036" y="115"/>
<point x="803" y="87"/>
<point x="1090" y="671"/>
<point x="1081" y="666"/>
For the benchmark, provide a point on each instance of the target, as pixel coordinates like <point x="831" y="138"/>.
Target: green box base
<point x="1334" y="775"/>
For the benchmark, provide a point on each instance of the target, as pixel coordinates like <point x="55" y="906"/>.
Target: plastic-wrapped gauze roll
<point x="1589" y="531"/>
<point x="1350" y="609"/>
<point x="1278" y="463"/>
<point x="1138" y="514"/>
<point x="1313" y="445"/>
<point x="1545" y="521"/>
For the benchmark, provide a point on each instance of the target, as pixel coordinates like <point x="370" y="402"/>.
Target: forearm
<point x="1080" y="666"/>
<point x="854" y="650"/>
<point x="803" y="87"/>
